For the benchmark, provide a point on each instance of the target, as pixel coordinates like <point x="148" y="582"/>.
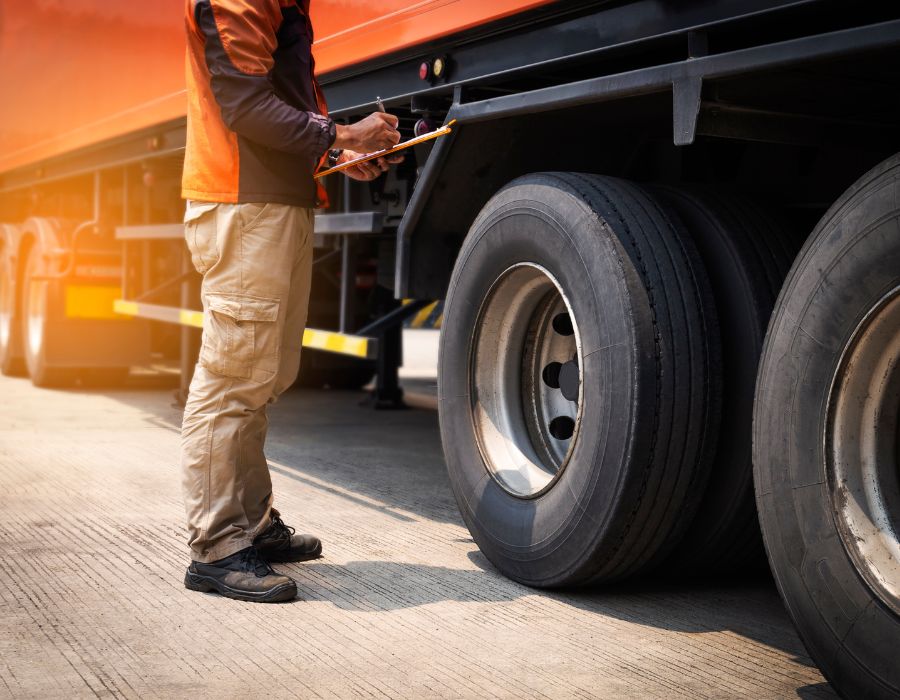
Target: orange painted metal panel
<point x="349" y="31"/>
<point x="77" y="72"/>
<point x="74" y="73"/>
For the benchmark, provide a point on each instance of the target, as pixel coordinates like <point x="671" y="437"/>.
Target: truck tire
<point x="12" y="363"/>
<point x="577" y="385"/>
<point x="747" y="254"/>
<point x="825" y="441"/>
<point x="35" y="317"/>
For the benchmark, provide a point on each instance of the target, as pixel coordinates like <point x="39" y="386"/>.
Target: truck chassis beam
<point x="683" y="78"/>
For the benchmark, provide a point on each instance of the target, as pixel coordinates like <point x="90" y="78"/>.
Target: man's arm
<point x="240" y="39"/>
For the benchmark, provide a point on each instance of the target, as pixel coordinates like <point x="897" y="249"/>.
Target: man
<point x="257" y="129"/>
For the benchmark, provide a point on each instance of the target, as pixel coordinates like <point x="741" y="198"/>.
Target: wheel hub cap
<point x="525" y="380"/>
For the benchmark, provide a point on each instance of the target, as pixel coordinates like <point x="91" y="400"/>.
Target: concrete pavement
<point x="402" y="604"/>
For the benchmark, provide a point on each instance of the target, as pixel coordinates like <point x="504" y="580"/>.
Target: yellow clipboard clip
<point x="443" y="131"/>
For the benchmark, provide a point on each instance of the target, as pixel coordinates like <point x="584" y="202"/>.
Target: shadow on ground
<point x="392" y="461"/>
<point x="749" y="608"/>
<point x="393" y="457"/>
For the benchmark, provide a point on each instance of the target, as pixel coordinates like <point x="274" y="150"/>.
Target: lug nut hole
<point x="562" y="427"/>
<point x="550" y="375"/>
<point x="562" y="324"/>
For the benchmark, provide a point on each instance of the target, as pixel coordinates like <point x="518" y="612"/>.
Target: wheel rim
<point x="524" y="380"/>
<point x="35" y="315"/>
<point x="863" y="448"/>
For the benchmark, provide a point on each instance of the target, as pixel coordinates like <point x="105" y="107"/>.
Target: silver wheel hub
<point x="525" y="380"/>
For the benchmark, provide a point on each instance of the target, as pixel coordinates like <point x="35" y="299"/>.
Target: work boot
<point x="242" y="576"/>
<point x="278" y="543"/>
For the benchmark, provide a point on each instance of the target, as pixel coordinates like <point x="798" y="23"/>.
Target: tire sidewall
<point x="10" y="352"/>
<point x="35" y="362"/>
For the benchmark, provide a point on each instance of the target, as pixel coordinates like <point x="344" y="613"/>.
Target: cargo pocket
<point x="200" y="234"/>
<point x="241" y="336"/>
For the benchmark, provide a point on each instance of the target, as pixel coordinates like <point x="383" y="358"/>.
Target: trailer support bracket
<point x="685" y="109"/>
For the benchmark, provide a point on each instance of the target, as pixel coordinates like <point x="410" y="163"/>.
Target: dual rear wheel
<point x="37" y="338"/>
<point x="596" y="380"/>
<point x="598" y="373"/>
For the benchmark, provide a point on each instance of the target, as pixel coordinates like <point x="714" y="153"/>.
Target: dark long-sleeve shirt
<point x="256" y="124"/>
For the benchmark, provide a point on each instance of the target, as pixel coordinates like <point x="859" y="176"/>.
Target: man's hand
<point x="371" y="168"/>
<point x="375" y="132"/>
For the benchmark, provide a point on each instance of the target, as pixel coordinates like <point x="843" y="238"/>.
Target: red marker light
<point x="422" y="127"/>
<point x="424" y="70"/>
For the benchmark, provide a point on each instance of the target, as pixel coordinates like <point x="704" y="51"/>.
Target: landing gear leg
<point x="387" y="393"/>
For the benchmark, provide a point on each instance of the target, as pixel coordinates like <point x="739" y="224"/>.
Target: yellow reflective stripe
<point x="336" y="342"/>
<point x="439" y="320"/>
<point x="190" y="318"/>
<point x="126" y="308"/>
<point x="420" y="318"/>
<point x="342" y="343"/>
<point x="95" y="302"/>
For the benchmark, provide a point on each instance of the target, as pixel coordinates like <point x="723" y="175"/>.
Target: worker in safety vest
<point x="257" y="129"/>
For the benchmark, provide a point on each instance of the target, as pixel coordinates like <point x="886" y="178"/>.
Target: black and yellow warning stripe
<point x="167" y="314"/>
<point x="330" y="341"/>
<point x="430" y="316"/>
<point x="341" y="343"/>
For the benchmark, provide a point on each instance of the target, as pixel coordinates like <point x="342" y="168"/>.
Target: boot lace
<point x="280" y="530"/>
<point x="251" y="561"/>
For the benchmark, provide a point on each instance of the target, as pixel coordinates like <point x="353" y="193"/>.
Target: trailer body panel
<point x="87" y="71"/>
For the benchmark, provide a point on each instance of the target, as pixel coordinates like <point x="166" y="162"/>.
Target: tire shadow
<point x="747" y="607"/>
<point x="384" y="586"/>
<point x="745" y="604"/>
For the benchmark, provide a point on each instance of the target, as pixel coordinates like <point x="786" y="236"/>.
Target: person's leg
<point x="246" y="253"/>
<point x="258" y="495"/>
<point x="279" y="543"/>
<point x="298" y="306"/>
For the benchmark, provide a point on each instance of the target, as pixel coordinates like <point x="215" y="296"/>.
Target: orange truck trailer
<point x="666" y="239"/>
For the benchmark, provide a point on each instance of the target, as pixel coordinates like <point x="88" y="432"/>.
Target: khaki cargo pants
<point x="256" y="262"/>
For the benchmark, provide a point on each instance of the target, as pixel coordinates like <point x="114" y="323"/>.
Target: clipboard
<point x="443" y="131"/>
